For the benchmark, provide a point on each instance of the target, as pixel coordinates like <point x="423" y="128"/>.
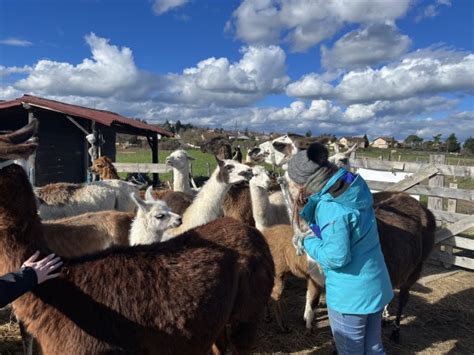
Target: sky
<point x="344" y="67"/>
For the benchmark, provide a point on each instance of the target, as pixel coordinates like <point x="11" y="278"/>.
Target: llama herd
<point x="183" y="270"/>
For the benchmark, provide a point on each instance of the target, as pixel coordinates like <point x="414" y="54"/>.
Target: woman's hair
<point x="298" y="204"/>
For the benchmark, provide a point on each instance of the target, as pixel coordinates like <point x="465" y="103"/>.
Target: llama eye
<point x="160" y="216"/>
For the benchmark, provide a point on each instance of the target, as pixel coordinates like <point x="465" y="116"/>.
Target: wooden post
<point x="32" y="158"/>
<point x="154" y="156"/>
<point x="436" y="203"/>
<point x="452" y="202"/>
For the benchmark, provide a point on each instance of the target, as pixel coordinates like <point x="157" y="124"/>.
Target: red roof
<point x="106" y="118"/>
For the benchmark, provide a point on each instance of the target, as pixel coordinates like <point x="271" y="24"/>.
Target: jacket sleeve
<point x="333" y="250"/>
<point x="15" y="284"/>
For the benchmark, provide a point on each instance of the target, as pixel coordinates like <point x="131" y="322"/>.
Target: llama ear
<point x="139" y="202"/>
<point x="190" y="157"/>
<point x="21" y="135"/>
<point x="149" y="195"/>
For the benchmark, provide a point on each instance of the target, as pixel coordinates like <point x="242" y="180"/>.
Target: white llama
<point x="179" y="161"/>
<point x="207" y="205"/>
<point x="153" y="218"/>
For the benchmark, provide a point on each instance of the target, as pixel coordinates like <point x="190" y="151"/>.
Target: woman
<point x="32" y="273"/>
<point x="344" y="241"/>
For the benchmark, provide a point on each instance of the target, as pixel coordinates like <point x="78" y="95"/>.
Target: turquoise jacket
<point x="347" y="247"/>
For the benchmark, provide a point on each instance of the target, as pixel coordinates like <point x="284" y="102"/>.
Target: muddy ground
<point x="439" y="319"/>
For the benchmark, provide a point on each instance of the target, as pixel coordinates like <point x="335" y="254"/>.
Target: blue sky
<point x="392" y="67"/>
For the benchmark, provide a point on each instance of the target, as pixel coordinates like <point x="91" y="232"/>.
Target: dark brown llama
<point x="172" y="297"/>
<point x="407" y="232"/>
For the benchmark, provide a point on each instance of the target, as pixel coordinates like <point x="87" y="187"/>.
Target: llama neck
<point x="181" y="180"/>
<point x="207" y="205"/>
<point x="260" y="205"/>
<point x="140" y="232"/>
<point x="20" y="226"/>
<point x="110" y="174"/>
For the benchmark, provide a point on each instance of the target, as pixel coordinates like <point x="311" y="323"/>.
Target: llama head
<point x="155" y="215"/>
<point x="341" y="159"/>
<point x="266" y="152"/>
<point x="101" y="165"/>
<point x="19" y="144"/>
<point x="232" y="172"/>
<point x="179" y="159"/>
<point x="260" y="177"/>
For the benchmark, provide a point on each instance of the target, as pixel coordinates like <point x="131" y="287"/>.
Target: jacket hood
<point x="357" y="196"/>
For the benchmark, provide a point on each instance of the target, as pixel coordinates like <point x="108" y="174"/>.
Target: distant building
<point x="384" y="142"/>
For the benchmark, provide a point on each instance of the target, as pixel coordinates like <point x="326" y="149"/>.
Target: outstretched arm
<point x="32" y="272"/>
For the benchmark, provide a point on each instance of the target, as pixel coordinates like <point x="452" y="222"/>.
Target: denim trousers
<point x="357" y="333"/>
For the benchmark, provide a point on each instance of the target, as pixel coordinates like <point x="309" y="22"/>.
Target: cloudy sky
<point x="347" y="67"/>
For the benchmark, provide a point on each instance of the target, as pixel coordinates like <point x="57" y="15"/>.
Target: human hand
<point x="44" y="267"/>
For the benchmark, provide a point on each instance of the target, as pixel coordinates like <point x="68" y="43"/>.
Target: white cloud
<point x="218" y="81"/>
<point x="423" y="72"/>
<point x="17" y="42"/>
<point x="162" y="6"/>
<point x="5" y="71"/>
<point x="366" y="46"/>
<point x="111" y="71"/>
<point x="304" y="23"/>
<point x="432" y="10"/>
<point x="420" y="73"/>
<point x="310" y="86"/>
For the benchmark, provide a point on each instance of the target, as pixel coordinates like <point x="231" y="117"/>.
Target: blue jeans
<point x="357" y="333"/>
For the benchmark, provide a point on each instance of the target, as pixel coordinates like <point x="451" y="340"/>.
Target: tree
<point x="178" y="126"/>
<point x="413" y="141"/>
<point x="469" y="145"/>
<point x="366" y="141"/>
<point x="452" y="144"/>
<point x="308" y="133"/>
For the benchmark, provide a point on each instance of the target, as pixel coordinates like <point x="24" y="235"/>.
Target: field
<point x="439" y="319"/>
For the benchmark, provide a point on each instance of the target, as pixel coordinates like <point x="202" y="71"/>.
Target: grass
<point x="201" y="166"/>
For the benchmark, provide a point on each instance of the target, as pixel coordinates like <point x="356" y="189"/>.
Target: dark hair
<point x="318" y="154"/>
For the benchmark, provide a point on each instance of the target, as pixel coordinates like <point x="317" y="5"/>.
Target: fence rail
<point x="451" y="248"/>
<point x="141" y="168"/>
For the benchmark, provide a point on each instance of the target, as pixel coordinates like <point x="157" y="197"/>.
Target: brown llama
<point x="104" y="167"/>
<point x="125" y="300"/>
<point x="87" y="233"/>
<point x="407" y="232"/>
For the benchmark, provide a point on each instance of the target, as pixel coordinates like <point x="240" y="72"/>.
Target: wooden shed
<point x="63" y="155"/>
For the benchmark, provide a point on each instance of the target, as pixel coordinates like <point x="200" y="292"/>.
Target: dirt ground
<point x="439" y="319"/>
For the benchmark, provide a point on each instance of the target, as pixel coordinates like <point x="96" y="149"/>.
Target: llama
<point x="265" y="213"/>
<point x="207" y="205"/>
<point x="406" y="230"/>
<point x="222" y="272"/>
<point x="179" y="161"/>
<point x="60" y="200"/>
<point x="278" y="237"/>
<point x="87" y="233"/>
<point x="104" y="167"/>
<point x="153" y="218"/>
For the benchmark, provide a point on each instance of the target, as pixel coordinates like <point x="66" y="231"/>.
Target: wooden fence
<point x="451" y="248"/>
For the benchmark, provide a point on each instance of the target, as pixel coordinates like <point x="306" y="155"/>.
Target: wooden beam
<point x="436" y="203"/>
<point x="154" y="156"/>
<point x="142" y="168"/>
<point x="461" y="261"/>
<point x="411" y="167"/>
<point x="453" y="229"/>
<point x="448" y="217"/>
<point x="459" y="194"/>
<point x="409" y="181"/>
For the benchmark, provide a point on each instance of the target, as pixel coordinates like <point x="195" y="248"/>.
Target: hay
<point x="439" y="319"/>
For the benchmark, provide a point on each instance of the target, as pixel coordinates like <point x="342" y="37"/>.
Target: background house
<point x="384" y="142"/>
<point x="63" y="152"/>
